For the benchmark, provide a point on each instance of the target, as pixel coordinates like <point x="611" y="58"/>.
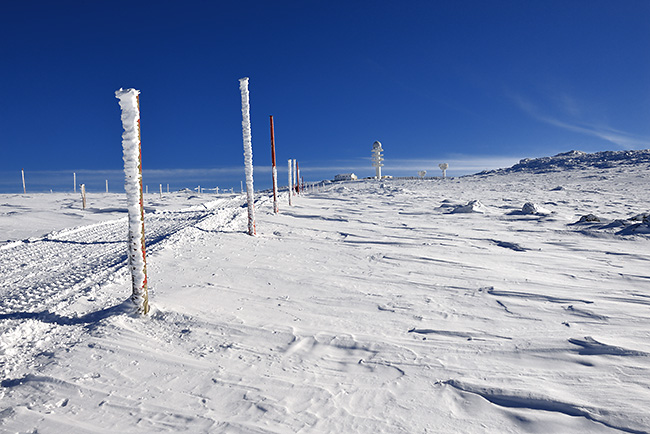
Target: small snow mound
<point x="533" y="209"/>
<point x="472" y="206"/>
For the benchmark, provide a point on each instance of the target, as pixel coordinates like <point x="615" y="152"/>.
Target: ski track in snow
<point x="365" y="307"/>
<point x="42" y="275"/>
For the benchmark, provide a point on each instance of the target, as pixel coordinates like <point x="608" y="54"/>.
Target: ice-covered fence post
<point x="160" y="191"/>
<point x="248" y="152"/>
<point x="22" y="171"/>
<point x="275" y="170"/>
<point x="107" y="186"/>
<point x="290" y="181"/>
<point x="167" y="188"/>
<point x="83" y="196"/>
<point x="443" y="167"/>
<point x="74" y="181"/>
<point x="130" y="105"/>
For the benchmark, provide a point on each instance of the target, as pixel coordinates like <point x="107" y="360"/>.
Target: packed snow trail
<point x="41" y="276"/>
<point x="39" y="272"/>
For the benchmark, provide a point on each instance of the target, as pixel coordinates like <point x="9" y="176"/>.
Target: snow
<point x="366" y="307"/>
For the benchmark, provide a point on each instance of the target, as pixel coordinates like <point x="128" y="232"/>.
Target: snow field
<point x="369" y="307"/>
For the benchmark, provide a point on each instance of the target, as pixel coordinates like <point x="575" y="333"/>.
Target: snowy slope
<point x="395" y="306"/>
<point x="579" y="160"/>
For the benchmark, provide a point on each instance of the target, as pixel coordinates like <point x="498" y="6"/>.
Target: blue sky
<point x="478" y="84"/>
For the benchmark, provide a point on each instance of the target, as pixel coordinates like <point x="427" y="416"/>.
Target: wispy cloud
<point x="458" y="165"/>
<point x="227" y="177"/>
<point x="570" y="108"/>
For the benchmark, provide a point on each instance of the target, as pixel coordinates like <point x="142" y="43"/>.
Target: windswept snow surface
<point x="365" y="307"/>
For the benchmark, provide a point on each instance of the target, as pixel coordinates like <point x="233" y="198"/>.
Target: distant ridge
<point x="577" y="160"/>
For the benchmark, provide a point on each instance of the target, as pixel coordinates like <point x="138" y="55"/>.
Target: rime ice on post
<point x="130" y="105"/>
<point x="248" y="152"/>
<point x="377" y="158"/>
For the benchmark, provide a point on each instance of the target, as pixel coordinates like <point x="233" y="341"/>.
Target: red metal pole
<point x="297" y="178"/>
<point x="275" y="170"/>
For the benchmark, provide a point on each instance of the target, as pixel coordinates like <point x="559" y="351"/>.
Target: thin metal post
<point x="275" y="171"/>
<point x="298" y="189"/>
<point x="290" y="182"/>
<point x="293" y="182"/>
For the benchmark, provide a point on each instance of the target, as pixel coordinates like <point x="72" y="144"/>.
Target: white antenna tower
<point x="377" y="158"/>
